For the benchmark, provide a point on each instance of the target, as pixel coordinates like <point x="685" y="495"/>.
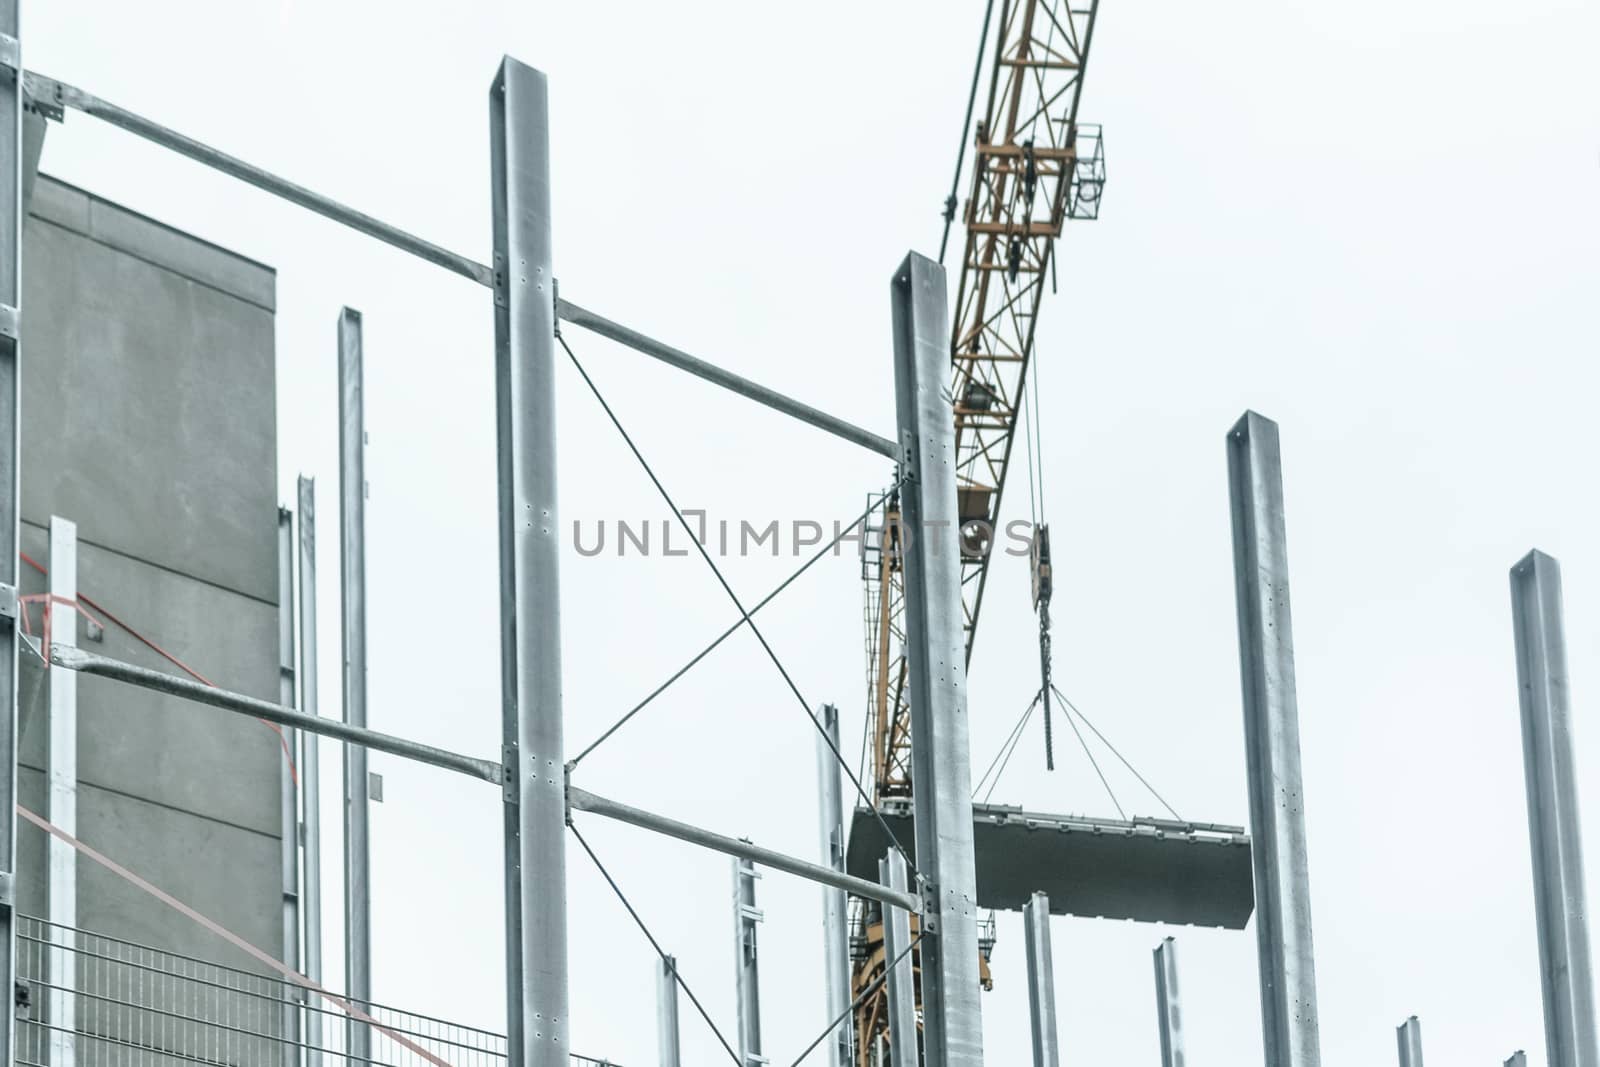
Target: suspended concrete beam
<point x="941" y="760"/>
<point x="649" y="346"/>
<point x="1169" y="1008"/>
<point x="747" y="961"/>
<point x="583" y="800"/>
<point x="1041" y="982"/>
<point x="310" y="763"/>
<point x="57" y="95"/>
<point x="1551" y="774"/>
<point x="900" y="967"/>
<point x="835" y="903"/>
<point x="669" y="1050"/>
<point x="85" y="662"/>
<point x="530" y="587"/>
<point x="1408" y="1036"/>
<point x="1272" y="746"/>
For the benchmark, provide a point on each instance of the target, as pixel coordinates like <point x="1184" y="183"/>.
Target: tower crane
<point x="1034" y="166"/>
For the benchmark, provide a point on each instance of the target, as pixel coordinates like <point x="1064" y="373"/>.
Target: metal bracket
<point x="8" y="601"/>
<point x="10" y="321"/>
<point x="555" y="304"/>
<point x="44" y="96"/>
<point x="508" y="773"/>
<point x="10" y="53"/>
<point x="928" y="922"/>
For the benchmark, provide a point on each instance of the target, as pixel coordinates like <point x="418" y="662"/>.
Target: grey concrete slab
<point x="150" y="415"/>
<point x="1094" y="868"/>
<point x="173" y="752"/>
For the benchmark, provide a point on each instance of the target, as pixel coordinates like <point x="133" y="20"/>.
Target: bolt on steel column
<point x="1272" y="746"/>
<point x="835" y="920"/>
<point x="1169" y="1009"/>
<point x="942" y="800"/>
<point x="1408" y="1036"/>
<point x="1552" y="782"/>
<point x="530" y="553"/>
<point x="747" y="964"/>
<point x="1041" y="981"/>
<point x="353" y="637"/>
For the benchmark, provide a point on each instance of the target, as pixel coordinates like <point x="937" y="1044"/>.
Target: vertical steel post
<point x="747" y="964"/>
<point x="310" y="765"/>
<point x="835" y="917"/>
<point x="667" y="1043"/>
<point x="1272" y="746"/>
<point x="1518" y="1058"/>
<point x="530" y="550"/>
<point x="353" y="613"/>
<point x="942" y="802"/>
<point x="11" y="154"/>
<point x="900" y="981"/>
<point x="62" y="797"/>
<point x="1169" y="1010"/>
<point x="288" y="813"/>
<point x="1556" y="842"/>
<point x="1041" y="982"/>
<point x="1408" y="1036"/>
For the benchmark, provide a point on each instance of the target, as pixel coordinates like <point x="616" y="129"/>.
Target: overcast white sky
<point x="1373" y="221"/>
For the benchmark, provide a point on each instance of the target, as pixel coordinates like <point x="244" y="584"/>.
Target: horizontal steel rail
<point x="50" y="92"/>
<point x="583" y="800"/>
<point x="76" y="659"/>
<point x="570" y="312"/>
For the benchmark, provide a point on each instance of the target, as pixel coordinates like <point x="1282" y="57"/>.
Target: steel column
<point x="288" y="813"/>
<point x="900" y="980"/>
<point x="530" y="551"/>
<point x="747" y="963"/>
<point x="835" y="903"/>
<point x="1408" y="1036"/>
<point x="667" y="1044"/>
<point x="942" y="802"/>
<point x="62" y="796"/>
<point x="1518" y="1058"/>
<point x="11" y="157"/>
<point x="1272" y="746"/>
<point x="310" y="764"/>
<point x="1551" y="774"/>
<point x="1169" y="1010"/>
<point x="1041" y="982"/>
<point x="353" y="613"/>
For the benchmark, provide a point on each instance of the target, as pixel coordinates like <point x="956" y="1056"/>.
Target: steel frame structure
<point x="532" y="772"/>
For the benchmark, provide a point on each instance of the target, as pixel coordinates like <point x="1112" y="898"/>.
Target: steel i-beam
<point x="288" y="800"/>
<point x="668" y="1048"/>
<point x="530" y="552"/>
<point x="1272" y="746"/>
<point x="1408" y="1036"/>
<point x="747" y="963"/>
<point x="61" y="797"/>
<point x="310" y="764"/>
<point x="1551" y="774"/>
<point x="900" y="976"/>
<point x="942" y="802"/>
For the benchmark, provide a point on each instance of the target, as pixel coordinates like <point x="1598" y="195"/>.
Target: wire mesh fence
<point x="90" y="1000"/>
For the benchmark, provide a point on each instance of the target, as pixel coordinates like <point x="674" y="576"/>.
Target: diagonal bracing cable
<point x="1131" y="769"/>
<point x="730" y="631"/>
<point x="871" y="988"/>
<point x="743" y="611"/>
<point x="677" y="976"/>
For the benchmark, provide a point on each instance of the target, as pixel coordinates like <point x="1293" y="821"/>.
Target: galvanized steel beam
<point x="1041" y="982"/>
<point x="900" y="977"/>
<point x="288" y="800"/>
<point x="353" y="636"/>
<point x="668" y="1048"/>
<point x="951" y="1014"/>
<point x="61" y="798"/>
<point x="747" y="961"/>
<point x="1169" y="1009"/>
<point x="835" y="902"/>
<point x="310" y="763"/>
<point x="1408" y="1036"/>
<point x="530" y="552"/>
<point x="1272" y="746"/>
<point x="1551" y="774"/>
